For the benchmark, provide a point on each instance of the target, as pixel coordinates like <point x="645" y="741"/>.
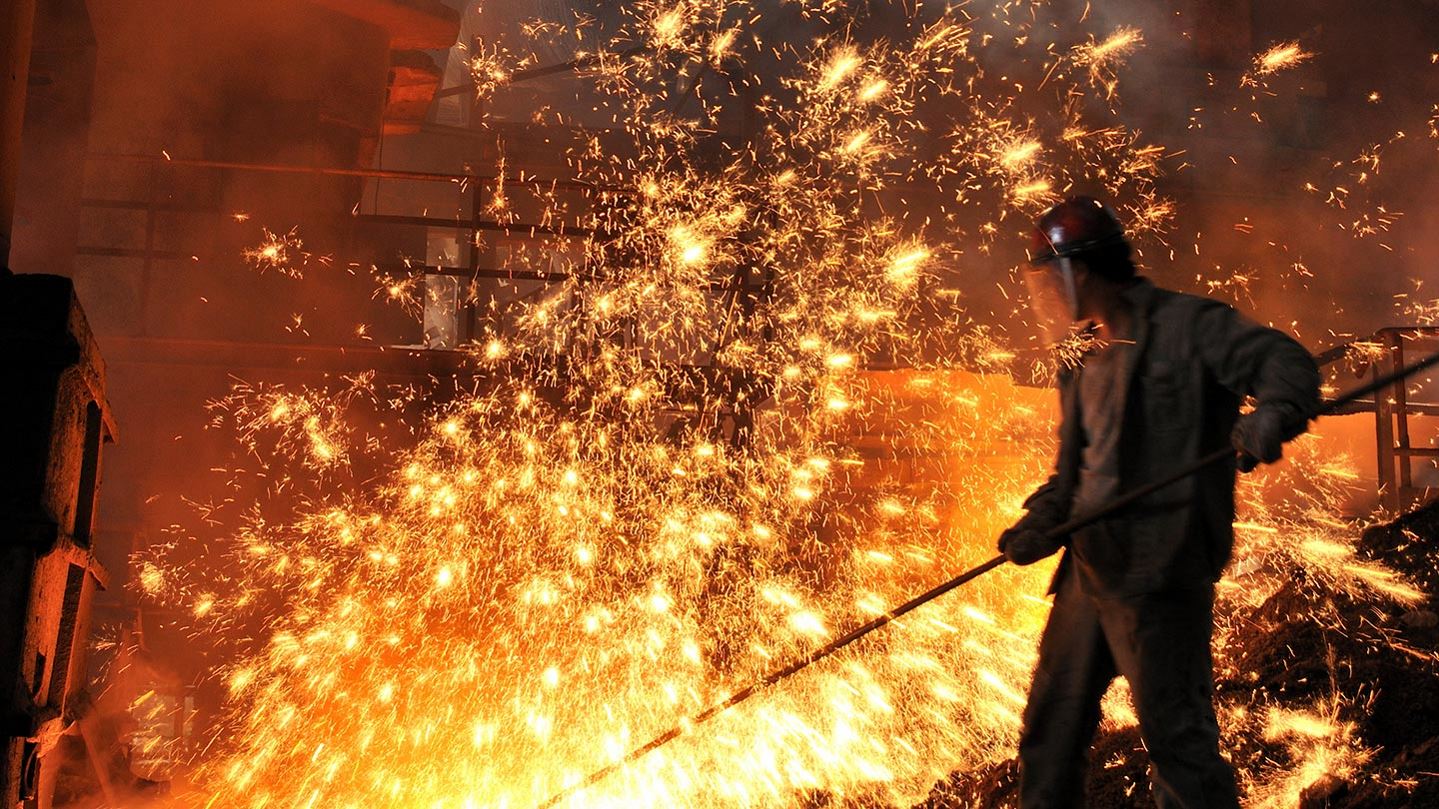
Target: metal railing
<point x="1382" y="353"/>
<point x="153" y="197"/>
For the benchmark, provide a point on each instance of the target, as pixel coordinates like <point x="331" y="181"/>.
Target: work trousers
<point x="1160" y="643"/>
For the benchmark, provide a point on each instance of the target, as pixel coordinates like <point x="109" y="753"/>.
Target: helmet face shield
<point x="1053" y="297"/>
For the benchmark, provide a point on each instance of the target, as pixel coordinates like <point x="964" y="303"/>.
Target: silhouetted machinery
<point x="54" y="422"/>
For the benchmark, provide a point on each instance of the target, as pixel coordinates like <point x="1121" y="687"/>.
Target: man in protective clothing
<point x="1154" y="382"/>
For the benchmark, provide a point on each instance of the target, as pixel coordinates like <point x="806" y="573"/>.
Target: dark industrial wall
<point x="17" y="19"/>
<point x="159" y="263"/>
<point x="125" y="94"/>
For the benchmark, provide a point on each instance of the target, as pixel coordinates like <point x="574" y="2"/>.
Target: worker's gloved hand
<point x="1259" y="437"/>
<point x="1025" y="546"/>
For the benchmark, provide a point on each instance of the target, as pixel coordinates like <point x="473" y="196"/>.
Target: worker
<point x="1150" y="381"/>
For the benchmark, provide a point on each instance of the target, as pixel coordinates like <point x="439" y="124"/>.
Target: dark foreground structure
<point x="54" y="422"/>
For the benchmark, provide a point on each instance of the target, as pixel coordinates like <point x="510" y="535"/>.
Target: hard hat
<point x="1074" y="227"/>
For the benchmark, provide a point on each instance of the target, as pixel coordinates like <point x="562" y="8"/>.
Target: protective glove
<point x="1025" y="546"/>
<point x="1259" y="437"/>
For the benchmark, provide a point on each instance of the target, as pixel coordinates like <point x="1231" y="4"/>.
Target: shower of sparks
<point x="276" y="253"/>
<point x="490" y="70"/>
<point x="1324" y="747"/>
<point x="1103" y="58"/>
<point x="685" y="465"/>
<point x="282" y="253"/>
<point x="1282" y="56"/>
<point x="1418" y="312"/>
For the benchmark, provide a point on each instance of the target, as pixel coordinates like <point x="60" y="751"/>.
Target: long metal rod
<point x="575" y="64"/>
<point x="549" y="70"/>
<point x="967" y="576"/>
<point x="337" y="171"/>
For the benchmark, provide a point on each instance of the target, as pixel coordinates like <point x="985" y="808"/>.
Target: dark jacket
<point x="1194" y="361"/>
